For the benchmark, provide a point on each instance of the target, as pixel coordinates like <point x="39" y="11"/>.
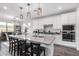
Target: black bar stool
<point x="24" y="48"/>
<point x="27" y="49"/>
<point x="13" y="46"/>
<point x="37" y="49"/>
<point x="10" y="44"/>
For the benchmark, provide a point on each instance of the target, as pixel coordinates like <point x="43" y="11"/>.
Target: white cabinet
<point x="64" y="18"/>
<point x="72" y="18"/>
<point x="68" y="18"/>
<point x="58" y="22"/>
<point x="58" y="38"/>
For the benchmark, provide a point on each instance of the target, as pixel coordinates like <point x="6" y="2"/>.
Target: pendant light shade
<point x="21" y="15"/>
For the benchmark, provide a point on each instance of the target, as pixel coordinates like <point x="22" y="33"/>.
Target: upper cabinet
<point x="57" y="21"/>
<point x="68" y="18"/>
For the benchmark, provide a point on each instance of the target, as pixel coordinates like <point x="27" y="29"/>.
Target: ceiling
<point x="48" y="8"/>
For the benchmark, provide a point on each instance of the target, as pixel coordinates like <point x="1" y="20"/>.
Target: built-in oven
<point x="68" y="27"/>
<point x="68" y="33"/>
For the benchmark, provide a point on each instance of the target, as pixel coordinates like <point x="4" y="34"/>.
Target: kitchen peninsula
<point x="47" y="42"/>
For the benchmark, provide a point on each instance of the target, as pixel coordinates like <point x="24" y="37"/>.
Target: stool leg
<point x="44" y="52"/>
<point x="9" y="48"/>
<point x="18" y="50"/>
<point x="21" y="51"/>
<point x="31" y="50"/>
<point x="12" y="49"/>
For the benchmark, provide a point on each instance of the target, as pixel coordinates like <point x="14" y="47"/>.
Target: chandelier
<point x="38" y="11"/>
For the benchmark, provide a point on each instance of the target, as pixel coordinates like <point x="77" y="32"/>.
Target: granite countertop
<point x="55" y="33"/>
<point x="43" y="40"/>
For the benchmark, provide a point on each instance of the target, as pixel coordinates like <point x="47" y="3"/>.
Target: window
<point x="2" y="27"/>
<point x="6" y="27"/>
<point x="10" y="27"/>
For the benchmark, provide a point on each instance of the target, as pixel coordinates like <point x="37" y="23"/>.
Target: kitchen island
<point x="46" y="41"/>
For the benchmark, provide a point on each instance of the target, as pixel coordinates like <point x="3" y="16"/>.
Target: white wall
<point x="77" y="29"/>
<point x="58" y="21"/>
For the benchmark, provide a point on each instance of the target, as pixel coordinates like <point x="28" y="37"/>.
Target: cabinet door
<point x="64" y="18"/>
<point x="58" y="39"/>
<point x="72" y="18"/>
<point x="69" y="18"/>
<point x="58" y="22"/>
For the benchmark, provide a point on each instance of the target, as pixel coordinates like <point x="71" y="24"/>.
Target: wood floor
<point x="65" y="51"/>
<point x="58" y="50"/>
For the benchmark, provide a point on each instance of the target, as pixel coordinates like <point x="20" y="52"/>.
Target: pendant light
<point x="21" y="15"/>
<point x="39" y="10"/>
<point x="28" y="11"/>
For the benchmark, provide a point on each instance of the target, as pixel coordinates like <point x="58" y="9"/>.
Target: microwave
<point x="68" y="27"/>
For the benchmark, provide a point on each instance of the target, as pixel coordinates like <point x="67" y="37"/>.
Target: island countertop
<point x="43" y="40"/>
<point x="46" y="41"/>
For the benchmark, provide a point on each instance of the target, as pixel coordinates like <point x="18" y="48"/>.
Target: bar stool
<point x="13" y="46"/>
<point x="10" y="44"/>
<point x="27" y="49"/>
<point x="24" y="48"/>
<point x="37" y="49"/>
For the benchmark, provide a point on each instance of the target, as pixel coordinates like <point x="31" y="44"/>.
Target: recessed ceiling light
<point x="29" y="24"/>
<point x="60" y="8"/>
<point x="24" y="24"/>
<point x="5" y="8"/>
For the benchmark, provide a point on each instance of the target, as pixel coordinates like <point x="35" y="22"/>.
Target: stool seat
<point x="24" y="48"/>
<point x="37" y="49"/>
